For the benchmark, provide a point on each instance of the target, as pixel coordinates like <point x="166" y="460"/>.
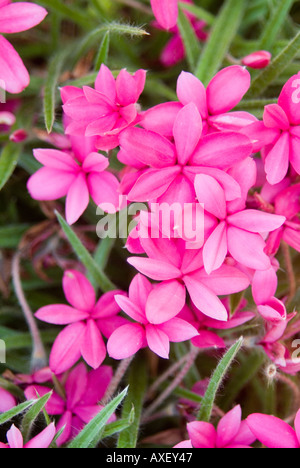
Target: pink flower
<point x="83" y="392"/>
<point x="7" y="401"/>
<point x="273" y="432"/>
<point x="154" y="327"/>
<point x="238" y="232"/>
<point x="166" y="12"/>
<point x="279" y="133"/>
<point x="77" y="175"/>
<point x="231" y="432"/>
<point x="257" y="60"/>
<point x="179" y="269"/>
<point x="42" y="440"/>
<point x="223" y="93"/>
<point x="86" y="321"/>
<point x="15" y="18"/>
<point x="106" y="110"/>
<point x="172" y="166"/>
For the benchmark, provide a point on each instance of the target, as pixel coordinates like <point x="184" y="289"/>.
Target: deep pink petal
<point x="166" y="13"/>
<point x="207" y="339"/>
<point x="187" y="132"/>
<point x="202" y="434"/>
<point x="264" y="285"/>
<point x="226" y="280"/>
<point x="95" y="162"/>
<point x="66" y="348"/>
<point x="152" y="184"/>
<point x="277" y="160"/>
<point x="275" y="117"/>
<point x="20" y="17"/>
<point x="160" y="119"/>
<point x="139" y="290"/>
<point x="131" y="309"/>
<point x="78" y="290"/>
<point x="289" y="99"/>
<point x="7" y="401"/>
<point x="155" y="269"/>
<point x="50" y="184"/>
<point x="104" y="190"/>
<point x="229" y="426"/>
<point x="178" y="330"/>
<point x="12" y="70"/>
<point x="158" y="341"/>
<point x="272" y="432"/>
<point x="247" y="248"/>
<point x="60" y="314"/>
<point x="294" y="153"/>
<point x="56" y="405"/>
<point x="44" y="439"/>
<point x="77" y="200"/>
<point x="126" y="341"/>
<point x="55" y="159"/>
<point x="190" y="89"/>
<point x="215" y="249"/>
<point x="105" y="83"/>
<point x="93" y="349"/>
<point x="165" y="301"/>
<point x="211" y="194"/>
<point x="227" y="89"/>
<point x="256" y="221"/>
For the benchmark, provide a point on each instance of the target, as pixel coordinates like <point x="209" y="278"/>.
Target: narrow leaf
<point x="4" y="417"/>
<point x="216" y="380"/>
<point x="273" y="26"/>
<point x="92" y="432"/>
<point x="190" y="40"/>
<point x="51" y="85"/>
<point x="221" y="37"/>
<point x="8" y="161"/>
<point x="32" y="414"/>
<point x="98" y="276"/>
<point x="103" y="51"/>
<point x="119" y="426"/>
<point x="69" y="12"/>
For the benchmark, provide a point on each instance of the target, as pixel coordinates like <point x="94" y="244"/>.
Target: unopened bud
<point x="18" y="136"/>
<point x="257" y="60"/>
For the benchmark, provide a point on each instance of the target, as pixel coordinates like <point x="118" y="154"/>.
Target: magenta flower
<point x="153" y="327"/>
<point x="42" y="440"/>
<point x="15" y="18"/>
<point x="273" y="432"/>
<point x="257" y="60"/>
<point x="214" y="104"/>
<point x="83" y="392"/>
<point x="86" y="321"/>
<point x="106" y="110"/>
<point x="166" y="12"/>
<point x="77" y="175"/>
<point x="238" y="233"/>
<point x="7" y="401"/>
<point x="179" y="269"/>
<point x="172" y="166"/>
<point x="231" y="432"/>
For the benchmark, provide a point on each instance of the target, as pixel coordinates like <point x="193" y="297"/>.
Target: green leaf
<point x="103" y="51"/>
<point x="216" y="380"/>
<point x="8" y="161"/>
<point x="51" y="85"/>
<point x="273" y="26"/>
<point x="137" y="387"/>
<point x="4" y="417"/>
<point x="71" y="13"/>
<point x="90" y="436"/>
<point x="98" y="276"/>
<point x="32" y="414"/>
<point x="221" y="37"/>
<point x="275" y="69"/>
<point x="119" y="426"/>
<point x="199" y="12"/>
<point x="190" y="40"/>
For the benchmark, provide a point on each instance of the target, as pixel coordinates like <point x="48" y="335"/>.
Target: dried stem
<point x="190" y="359"/>
<point x="289" y="269"/>
<point x="165" y="376"/>
<point x="121" y="371"/>
<point x="39" y="358"/>
<point x="137" y="6"/>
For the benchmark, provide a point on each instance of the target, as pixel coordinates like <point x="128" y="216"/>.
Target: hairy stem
<point x="121" y="371"/>
<point x="289" y="269"/>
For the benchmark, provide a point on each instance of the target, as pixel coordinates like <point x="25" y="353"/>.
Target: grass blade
<point x="103" y="51"/>
<point x="8" y="415"/>
<point x="32" y="414"/>
<point x="190" y="40"/>
<point x="273" y="26"/>
<point x="8" y="161"/>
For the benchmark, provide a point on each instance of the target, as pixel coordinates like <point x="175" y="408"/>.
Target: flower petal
<point x="20" y="17"/>
<point x="158" y="341"/>
<point x="165" y="301"/>
<point x="126" y="341"/>
<point x="187" y="132"/>
<point x="78" y="290"/>
<point x="66" y="348"/>
<point x="272" y="432"/>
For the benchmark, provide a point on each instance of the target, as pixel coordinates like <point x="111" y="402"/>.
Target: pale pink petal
<point x="245" y="173"/>
<point x="260" y="135"/>
<point x="289" y="99"/>
<point x="187" y="132"/>
<point x="126" y="88"/>
<point x="152" y="184"/>
<point x="148" y="147"/>
<point x="205" y="300"/>
<point x="202" y="434"/>
<point x="166" y="12"/>
<point x="165" y="301"/>
<point x="256" y="221"/>
<point x="294" y="153"/>
<point x="20" y="17"/>
<point x="190" y="89"/>
<point x="211" y="194"/>
<point x="126" y="341"/>
<point x="231" y="121"/>
<point x="7" y="401"/>
<point x="60" y="314"/>
<point x="95" y="162"/>
<point x="155" y="269"/>
<point x="77" y="199"/>
<point x="158" y="341"/>
<point x="131" y="309"/>
<point x="184" y="444"/>
<point x="104" y="190"/>
<point x="102" y="125"/>
<point x="105" y="83"/>
<point x="227" y="89"/>
<point x="98" y="382"/>
<point x="173" y="52"/>
<point x="226" y="280"/>
<point x="180" y="191"/>
<point x="66" y="348"/>
<point x="78" y="290"/>
<point x="272" y="432"/>
<point x="245" y="436"/>
<point x="277" y="160"/>
<point x="273" y="310"/>
<point x="55" y="159"/>
<point x="44" y="439"/>
<point x="230" y="186"/>
<point x="92" y="348"/>
<point x="139" y="290"/>
<point x="221" y="150"/>
<point x="247" y="248"/>
<point x="229" y="426"/>
<point x="264" y="285"/>
<point x="50" y="184"/>
<point x="14" y="438"/>
<point x="215" y="249"/>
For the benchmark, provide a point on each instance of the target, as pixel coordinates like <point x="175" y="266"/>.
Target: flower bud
<point x="257" y="60"/>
